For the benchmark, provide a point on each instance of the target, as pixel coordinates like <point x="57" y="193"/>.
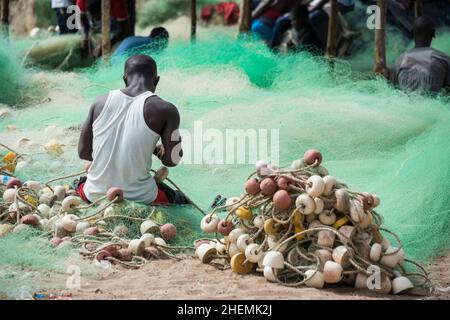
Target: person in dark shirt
<point x="422" y="68"/>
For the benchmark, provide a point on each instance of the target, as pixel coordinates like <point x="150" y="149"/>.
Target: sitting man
<point x="156" y="42"/>
<point x="422" y="68"/>
<point x="120" y="136"/>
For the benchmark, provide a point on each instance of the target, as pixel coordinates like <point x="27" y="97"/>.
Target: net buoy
<point x="253" y="253"/>
<point x="13" y="183"/>
<point x="313" y="157"/>
<point x="367" y="200"/>
<point x="391" y="259"/>
<point x="234" y="234"/>
<point x="324" y="256"/>
<point x="102" y="255"/>
<point x="298" y="164"/>
<point x="209" y="223"/>
<point x="332" y="272"/>
<point x="151" y="252"/>
<point x="341" y="255"/>
<point x="125" y="254"/>
<point x="9" y="195"/>
<point x="320" y="205"/>
<point x="44" y="210"/>
<point x="137" y="246"/>
<point x="160" y="241"/>
<point x="168" y="231"/>
<point x="5" y="229"/>
<point x="205" y="252"/>
<point x="314" y="279"/>
<point x="148" y="239"/>
<point x="244" y="213"/>
<point x="232" y="249"/>
<point x="230" y="201"/>
<point x="34" y="185"/>
<point x="148" y="226"/>
<point x="327" y="217"/>
<point x="315" y="186"/>
<point x="342" y="200"/>
<point x="269" y="227"/>
<point x="340" y="222"/>
<point x="348" y="231"/>
<point x="325" y="238"/>
<point x="59" y="192"/>
<point x="282" y="200"/>
<point x="274" y="260"/>
<point x="55" y="241"/>
<point x="259" y="222"/>
<point x="305" y="204"/>
<point x="70" y="203"/>
<point x="91" y="231"/>
<point x="330" y="185"/>
<point x="120" y="231"/>
<point x="401" y="284"/>
<point x="356" y="211"/>
<point x="252" y="186"/>
<point x="243" y="241"/>
<point x="69" y="222"/>
<point x="268" y="187"/>
<point x="225" y="227"/>
<point x="220" y="247"/>
<point x="239" y="264"/>
<point x="113" y="193"/>
<point x="283" y="183"/>
<point x="30" y="220"/>
<point x="375" y="252"/>
<point x="270" y="274"/>
<point x="82" y="226"/>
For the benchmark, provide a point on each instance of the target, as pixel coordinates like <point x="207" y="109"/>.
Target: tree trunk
<point x="193" y="19"/>
<point x="245" y="23"/>
<point x="106" y="28"/>
<point x="5" y="17"/>
<point x="418" y="8"/>
<point x="380" y="66"/>
<point x="332" y="30"/>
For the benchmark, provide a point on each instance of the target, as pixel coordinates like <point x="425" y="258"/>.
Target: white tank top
<point x="123" y="146"/>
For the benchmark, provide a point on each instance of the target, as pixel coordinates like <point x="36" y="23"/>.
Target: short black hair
<point x="159" y="33"/>
<point x="141" y="64"/>
<point x="424" y="26"/>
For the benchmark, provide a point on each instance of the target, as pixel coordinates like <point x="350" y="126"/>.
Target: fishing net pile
<point x="300" y="226"/>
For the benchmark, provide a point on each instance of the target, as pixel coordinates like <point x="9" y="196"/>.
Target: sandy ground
<point x="190" y="279"/>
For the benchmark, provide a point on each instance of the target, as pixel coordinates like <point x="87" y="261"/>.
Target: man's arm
<point x="262" y="6"/>
<point x="170" y="137"/>
<point x="86" y="136"/>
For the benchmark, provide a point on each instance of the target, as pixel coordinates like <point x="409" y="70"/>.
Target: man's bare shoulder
<point x="98" y="105"/>
<point x="157" y="104"/>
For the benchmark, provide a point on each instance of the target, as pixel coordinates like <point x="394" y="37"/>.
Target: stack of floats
<point x="303" y="227"/>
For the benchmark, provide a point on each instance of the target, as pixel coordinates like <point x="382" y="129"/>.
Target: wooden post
<point x="380" y="66"/>
<point x="193" y="19"/>
<point x="106" y="28"/>
<point x="418" y="6"/>
<point x="331" y="51"/>
<point x="5" y="17"/>
<point x="245" y="23"/>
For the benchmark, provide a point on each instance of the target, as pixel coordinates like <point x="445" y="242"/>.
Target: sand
<point x="190" y="279"/>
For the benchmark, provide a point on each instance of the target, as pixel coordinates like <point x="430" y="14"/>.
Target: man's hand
<point x="97" y="52"/>
<point x="159" y="151"/>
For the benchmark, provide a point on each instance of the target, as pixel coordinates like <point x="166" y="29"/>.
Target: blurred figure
<point x="422" y="68"/>
<point x="266" y="14"/>
<point x="60" y="8"/>
<point x="157" y="41"/>
<point x="92" y="9"/>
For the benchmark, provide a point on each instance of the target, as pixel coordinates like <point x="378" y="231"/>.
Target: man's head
<point x="424" y="31"/>
<point x="141" y="67"/>
<point x="161" y="37"/>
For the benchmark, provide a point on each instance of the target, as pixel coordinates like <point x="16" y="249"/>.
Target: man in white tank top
<point x="120" y="136"/>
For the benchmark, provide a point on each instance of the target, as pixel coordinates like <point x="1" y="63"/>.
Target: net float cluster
<point x="301" y="226"/>
<point x="61" y="214"/>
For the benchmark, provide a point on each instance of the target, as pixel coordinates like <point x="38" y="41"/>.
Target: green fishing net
<point x="373" y="137"/>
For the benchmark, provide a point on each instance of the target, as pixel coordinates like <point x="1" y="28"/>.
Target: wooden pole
<point x="5" y="17"/>
<point x="418" y="6"/>
<point x="106" y="28"/>
<point x="332" y="30"/>
<point x="193" y="19"/>
<point x="245" y="23"/>
<point x="380" y="66"/>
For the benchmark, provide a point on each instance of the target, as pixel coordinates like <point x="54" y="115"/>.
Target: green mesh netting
<point x="373" y="137"/>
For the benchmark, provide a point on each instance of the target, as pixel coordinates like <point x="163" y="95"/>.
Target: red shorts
<point x="161" y="197"/>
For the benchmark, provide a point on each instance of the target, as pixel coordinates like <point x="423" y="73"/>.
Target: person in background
<point x="60" y="8"/>
<point x="157" y="41"/>
<point x="119" y="12"/>
<point x="422" y="68"/>
<point x="266" y="14"/>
